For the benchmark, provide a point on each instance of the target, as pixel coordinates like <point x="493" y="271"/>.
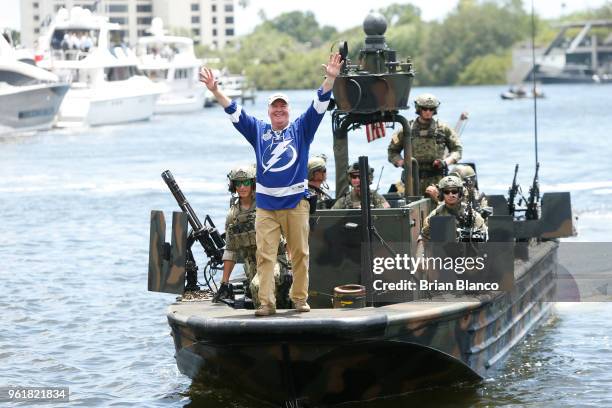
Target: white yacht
<point x="170" y="60"/>
<point x="29" y="96"/>
<point x="106" y="87"/>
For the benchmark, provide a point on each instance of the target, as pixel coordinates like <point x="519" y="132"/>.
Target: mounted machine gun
<point x="170" y="264"/>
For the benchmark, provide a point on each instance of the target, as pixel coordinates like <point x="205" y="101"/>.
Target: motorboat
<point x="371" y="333"/>
<point x="30" y="96"/>
<point x="519" y="92"/>
<point x="170" y="60"/>
<point x="106" y="87"/>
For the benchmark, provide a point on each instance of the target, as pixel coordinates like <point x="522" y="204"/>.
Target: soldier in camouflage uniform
<point x="317" y="174"/>
<point x="451" y="191"/>
<point x="470" y="186"/>
<point x="240" y="241"/>
<point x="352" y="199"/>
<point x="429" y="139"/>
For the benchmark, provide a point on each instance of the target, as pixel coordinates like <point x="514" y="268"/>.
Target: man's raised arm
<point x="332" y="69"/>
<point x="207" y="77"/>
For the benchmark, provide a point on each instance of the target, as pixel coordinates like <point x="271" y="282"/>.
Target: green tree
<point x="472" y="30"/>
<point x="471" y="46"/>
<point x="274" y="60"/>
<point x="303" y="26"/>
<point x="180" y="31"/>
<point x="15" y="36"/>
<point x="398" y="14"/>
<point x="488" y="69"/>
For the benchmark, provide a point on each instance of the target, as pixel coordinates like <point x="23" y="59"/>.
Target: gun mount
<point x="371" y="91"/>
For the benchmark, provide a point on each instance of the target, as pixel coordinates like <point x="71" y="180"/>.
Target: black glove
<point x="225" y="292"/>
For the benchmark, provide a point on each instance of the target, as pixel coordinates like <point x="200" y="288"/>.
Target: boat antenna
<point x="379" y="177"/>
<point x="533" y="78"/>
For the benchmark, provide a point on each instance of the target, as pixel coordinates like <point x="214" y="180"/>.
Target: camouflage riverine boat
<point x="389" y="347"/>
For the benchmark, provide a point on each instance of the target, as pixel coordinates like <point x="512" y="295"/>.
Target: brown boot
<point x="301" y="306"/>
<point x="265" y="310"/>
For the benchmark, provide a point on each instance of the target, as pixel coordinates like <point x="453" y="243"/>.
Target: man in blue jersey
<point x="281" y="149"/>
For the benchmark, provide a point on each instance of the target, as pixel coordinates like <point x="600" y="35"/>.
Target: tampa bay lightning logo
<point x="279" y="156"/>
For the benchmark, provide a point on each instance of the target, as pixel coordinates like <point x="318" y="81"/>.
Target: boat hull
<point x="32" y="107"/>
<point x="340" y="355"/>
<point x="81" y="109"/>
<point x="179" y="104"/>
<point x="566" y="79"/>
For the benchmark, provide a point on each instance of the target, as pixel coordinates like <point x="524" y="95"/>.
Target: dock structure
<point x="581" y="52"/>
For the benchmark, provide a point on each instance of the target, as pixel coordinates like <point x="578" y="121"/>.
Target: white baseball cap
<point x="277" y="96"/>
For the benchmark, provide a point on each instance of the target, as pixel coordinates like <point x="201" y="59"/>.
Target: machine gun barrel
<point x="534" y="197"/>
<point x="206" y="233"/>
<point x="512" y="192"/>
<point x="194" y="221"/>
<point x="469" y="211"/>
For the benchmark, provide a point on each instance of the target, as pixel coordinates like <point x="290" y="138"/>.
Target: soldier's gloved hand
<point x="225" y="292"/>
<point x="440" y="164"/>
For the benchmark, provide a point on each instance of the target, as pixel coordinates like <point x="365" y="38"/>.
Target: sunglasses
<point x="454" y="192"/>
<point x="354" y="176"/>
<point x="245" y="183"/>
<point x="428" y="109"/>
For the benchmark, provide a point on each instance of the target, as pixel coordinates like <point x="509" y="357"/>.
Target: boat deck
<point x="439" y="305"/>
<point x="414" y="310"/>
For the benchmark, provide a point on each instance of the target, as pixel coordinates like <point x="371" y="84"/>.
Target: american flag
<point x="375" y="131"/>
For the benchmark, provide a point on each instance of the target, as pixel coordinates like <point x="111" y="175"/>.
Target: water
<point x="74" y="211"/>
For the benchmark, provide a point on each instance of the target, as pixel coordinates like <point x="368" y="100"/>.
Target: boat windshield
<point x="120" y="73"/>
<point x="156" y="74"/>
<point x="15" y="78"/>
<point x="117" y="38"/>
<point x="161" y="50"/>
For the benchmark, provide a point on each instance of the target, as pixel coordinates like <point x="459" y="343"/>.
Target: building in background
<point x="208" y="22"/>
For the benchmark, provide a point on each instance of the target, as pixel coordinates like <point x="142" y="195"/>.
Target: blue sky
<point x="336" y="13"/>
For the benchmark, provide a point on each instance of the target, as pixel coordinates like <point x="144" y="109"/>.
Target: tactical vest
<point x="322" y="196"/>
<point x="427" y="147"/>
<point x="347" y="202"/>
<point x="350" y="202"/>
<point x="241" y="231"/>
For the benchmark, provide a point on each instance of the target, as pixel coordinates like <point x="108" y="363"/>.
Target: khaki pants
<point x="293" y="223"/>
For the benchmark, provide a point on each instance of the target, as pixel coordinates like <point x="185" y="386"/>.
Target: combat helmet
<point x="449" y="182"/>
<point x="426" y="100"/>
<point x="243" y="172"/>
<point x="464" y="171"/>
<point x="316" y="163"/>
<point x="354" y="168"/>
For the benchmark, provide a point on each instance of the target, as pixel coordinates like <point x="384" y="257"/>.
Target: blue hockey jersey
<point x="282" y="156"/>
